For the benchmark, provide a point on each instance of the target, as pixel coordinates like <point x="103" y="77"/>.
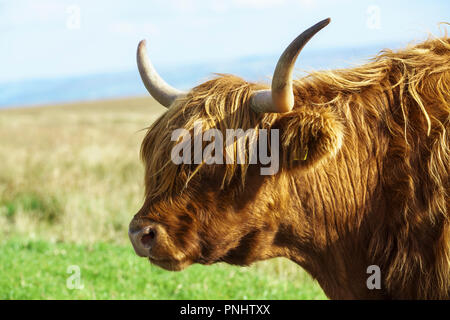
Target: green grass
<point x="39" y="270"/>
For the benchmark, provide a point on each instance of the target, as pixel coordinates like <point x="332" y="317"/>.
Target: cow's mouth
<point x="170" y="264"/>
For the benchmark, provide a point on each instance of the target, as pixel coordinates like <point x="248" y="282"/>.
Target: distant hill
<point x="128" y="83"/>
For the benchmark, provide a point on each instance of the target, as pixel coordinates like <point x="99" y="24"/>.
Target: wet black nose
<point x="148" y="237"/>
<point x="143" y="239"/>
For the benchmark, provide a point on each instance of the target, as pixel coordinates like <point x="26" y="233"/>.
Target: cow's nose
<point x="143" y="240"/>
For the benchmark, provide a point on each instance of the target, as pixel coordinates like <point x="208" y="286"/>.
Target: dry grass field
<point x="70" y="180"/>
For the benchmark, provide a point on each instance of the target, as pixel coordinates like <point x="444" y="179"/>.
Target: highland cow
<point x="363" y="174"/>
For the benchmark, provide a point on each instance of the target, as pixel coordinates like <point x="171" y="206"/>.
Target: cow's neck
<point x="332" y="203"/>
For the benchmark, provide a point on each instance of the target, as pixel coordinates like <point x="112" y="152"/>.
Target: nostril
<point x="148" y="237"/>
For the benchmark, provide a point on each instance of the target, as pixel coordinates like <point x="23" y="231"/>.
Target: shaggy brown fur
<point x="364" y="178"/>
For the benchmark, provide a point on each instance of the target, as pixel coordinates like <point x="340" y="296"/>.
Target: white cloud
<point x="23" y="12"/>
<point x="131" y="29"/>
<point x="307" y="3"/>
<point x="184" y="5"/>
<point x="265" y="4"/>
<point x="219" y="6"/>
<point x="258" y="4"/>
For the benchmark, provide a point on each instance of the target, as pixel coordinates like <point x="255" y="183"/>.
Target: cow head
<point x="211" y="212"/>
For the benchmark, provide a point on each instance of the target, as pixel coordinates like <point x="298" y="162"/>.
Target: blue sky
<point x="59" y="38"/>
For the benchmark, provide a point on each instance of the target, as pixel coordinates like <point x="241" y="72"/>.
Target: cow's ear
<point x="310" y="135"/>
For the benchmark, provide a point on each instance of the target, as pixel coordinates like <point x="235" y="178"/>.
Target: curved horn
<point x="158" y="88"/>
<point x="281" y="98"/>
